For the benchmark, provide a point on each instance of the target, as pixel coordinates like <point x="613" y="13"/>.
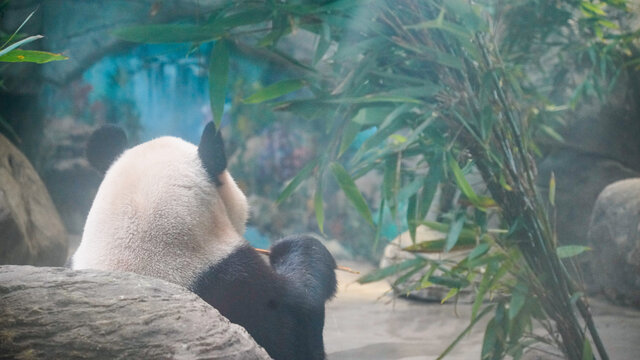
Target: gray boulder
<point x="31" y="232"/>
<point x="580" y="177"/>
<point x="614" y="236"/>
<point x="601" y="147"/>
<point x="57" y="313"/>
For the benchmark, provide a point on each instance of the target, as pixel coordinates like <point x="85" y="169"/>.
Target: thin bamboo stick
<point x="341" y="268"/>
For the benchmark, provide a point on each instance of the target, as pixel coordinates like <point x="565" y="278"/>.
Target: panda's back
<point x="152" y="215"/>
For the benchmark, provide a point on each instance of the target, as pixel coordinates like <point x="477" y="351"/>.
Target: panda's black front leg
<point x="307" y="273"/>
<point x="307" y="266"/>
<point x="282" y="305"/>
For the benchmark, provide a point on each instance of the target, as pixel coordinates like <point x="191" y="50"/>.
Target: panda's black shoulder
<point x="242" y="271"/>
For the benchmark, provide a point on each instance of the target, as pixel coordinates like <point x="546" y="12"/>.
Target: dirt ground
<point x="363" y="323"/>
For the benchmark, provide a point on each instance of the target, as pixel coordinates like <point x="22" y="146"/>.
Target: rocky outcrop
<point x="31" y="231"/>
<point x="57" y="313"/>
<point x="580" y="177"/>
<point x="601" y="147"/>
<point x="614" y="236"/>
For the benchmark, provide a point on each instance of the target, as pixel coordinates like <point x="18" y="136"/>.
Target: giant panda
<point x="169" y="209"/>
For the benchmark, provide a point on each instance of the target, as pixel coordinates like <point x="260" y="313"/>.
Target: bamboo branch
<point x="342" y="268"/>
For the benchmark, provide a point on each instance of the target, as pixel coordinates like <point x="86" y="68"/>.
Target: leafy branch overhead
<point x="10" y="51"/>
<point x="442" y="92"/>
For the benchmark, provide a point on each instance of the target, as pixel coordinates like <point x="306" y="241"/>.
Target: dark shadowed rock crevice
<point x="57" y="313"/>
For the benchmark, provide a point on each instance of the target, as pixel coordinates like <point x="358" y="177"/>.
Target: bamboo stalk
<point x="538" y="251"/>
<point x="341" y="268"/>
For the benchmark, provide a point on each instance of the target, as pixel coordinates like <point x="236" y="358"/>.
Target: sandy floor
<point x="362" y="323"/>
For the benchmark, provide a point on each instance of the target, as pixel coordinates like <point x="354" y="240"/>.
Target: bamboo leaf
<point x="518" y="298"/>
<point x="352" y="51"/>
<point x="437" y="56"/>
<point x="317" y="204"/>
<point x="453" y="292"/>
<point x="490" y="340"/>
<point x="503" y="183"/>
<point x="324" y="41"/>
<point x="406" y="276"/>
<point x="424" y="281"/>
<point x="390" y="124"/>
<point x="385" y="272"/>
<point x="551" y="133"/>
<point x="339" y="5"/>
<point x="375" y="115"/>
<point x="297" y="180"/>
<point x="481" y="202"/>
<point x="448" y="281"/>
<point x="461" y="181"/>
<point x="429" y="188"/>
<point x="552" y="189"/>
<point x="20" y="43"/>
<point x="458" y="31"/>
<point x="376" y="240"/>
<point x="436" y="226"/>
<point x="478" y="251"/>
<point x="495" y="270"/>
<point x="593" y="8"/>
<point x="168" y="33"/>
<point x="575" y="297"/>
<point x="350" y="189"/>
<point x="423" y="91"/>
<point x="18" y="30"/>
<point x="608" y="24"/>
<point x="409" y="190"/>
<point x="180" y="33"/>
<point x="465" y="234"/>
<point x="438" y="245"/>
<point x="218" y="77"/>
<point x="374" y="98"/>
<point x="465" y="11"/>
<point x="38" y="57"/>
<point x="250" y="16"/>
<point x="389" y="183"/>
<point x="568" y="251"/>
<point x="411" y="216"/>
<point x="587" y="352"/>
<point x="280" y="26"/>
<point x="275" y="91"/>
<point x="454" y="232"/>
<point x="351" y="130"/>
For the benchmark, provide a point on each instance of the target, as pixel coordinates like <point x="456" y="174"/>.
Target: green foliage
<point x="568" y="251"/>
<point x="10" y="52"/>
<point x="38" y="57"/>
<point x="449" y="89"/>
<point x="218" y="76"/>
<point x="346" y="183"/>
<point x="274" y="91"/>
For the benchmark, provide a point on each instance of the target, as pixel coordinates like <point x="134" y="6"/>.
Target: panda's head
<point x="169" y="209"/>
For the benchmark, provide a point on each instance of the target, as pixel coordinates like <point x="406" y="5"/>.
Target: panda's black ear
<point x="104" y="146"/>
<point x="211" y="152"/>
<point x="308" y="267"/>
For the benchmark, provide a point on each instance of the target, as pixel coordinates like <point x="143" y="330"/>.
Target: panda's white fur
<point x="171" y="210"/>
<point x="128" y="228"/>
